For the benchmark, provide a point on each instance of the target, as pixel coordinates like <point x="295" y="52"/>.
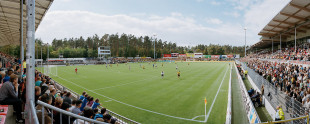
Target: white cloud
<point x="65" y="0"/>
<point x="216" y="3"/>
<point x="214" y="21"/>
<point x="180" y="29"/>
<point x="259" y="14"/>
<point x="233" y="13"/>
<point x="242" y="4"/>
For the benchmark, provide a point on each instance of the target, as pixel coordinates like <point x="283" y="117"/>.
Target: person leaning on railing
<point x="64" y="119"/>
<point x="47" y="119"/>
<point x="88" y="113"/>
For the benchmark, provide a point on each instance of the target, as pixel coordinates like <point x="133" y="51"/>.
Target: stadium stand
<point x="281" y="64"/>
<point x="51" y="94"/>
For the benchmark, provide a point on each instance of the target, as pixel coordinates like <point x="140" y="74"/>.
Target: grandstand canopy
<point x="10" y="19"/>
<point x="295" y="14"/>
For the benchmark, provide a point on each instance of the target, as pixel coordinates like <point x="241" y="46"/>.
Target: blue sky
<point x="186" y="22"/>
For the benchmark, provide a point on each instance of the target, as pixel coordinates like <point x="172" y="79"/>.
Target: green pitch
<point x="142" y="94"/>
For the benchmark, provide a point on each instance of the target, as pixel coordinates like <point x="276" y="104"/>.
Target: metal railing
<point x="4" y="61"/>
<point x="53" y="108"/>
<point x="34" y="113"/>
<point x="229" y="102"/>
<point x="121" y="119"/>
<point x="276" y="97"/>
<point x="249" y="107"/>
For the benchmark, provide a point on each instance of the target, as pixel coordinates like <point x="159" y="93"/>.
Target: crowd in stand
<point x="292" y="79"/>
<point x="13" y="92"/>
<point x="302" y="53"/>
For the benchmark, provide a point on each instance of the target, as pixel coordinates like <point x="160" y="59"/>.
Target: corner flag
<point x="206" y="100"/>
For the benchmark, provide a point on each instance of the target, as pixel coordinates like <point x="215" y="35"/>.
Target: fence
<point x="291" y="107"/>
<point x="228" y="112"/>
<point x="5" y="62"/>
<point x="120" y="118"/>
<point x="34" y="113"/>
<point x="249" y="107"/>
<point x="69" y="114"/>
<point x="304" y="118"/>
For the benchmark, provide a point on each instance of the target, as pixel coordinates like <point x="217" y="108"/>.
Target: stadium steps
<point x="10" y="117"/>
<point x="238" y="113"/>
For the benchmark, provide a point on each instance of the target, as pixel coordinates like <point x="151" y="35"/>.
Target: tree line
<point x="123" y="45"/>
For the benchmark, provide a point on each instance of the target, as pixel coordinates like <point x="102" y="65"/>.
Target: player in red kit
<point x="76" y="70"/>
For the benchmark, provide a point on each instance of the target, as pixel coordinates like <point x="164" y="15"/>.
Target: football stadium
<point x="76" y="62"/>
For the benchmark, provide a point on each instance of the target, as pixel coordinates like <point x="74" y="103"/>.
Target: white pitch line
<point x="206" y="119"/>
<point x="131" y="105"/>
<point x="139" y="107"/>
<point x="123" y="84"/>
<point x="197" y="117"/>
<point x="108" y="101"/>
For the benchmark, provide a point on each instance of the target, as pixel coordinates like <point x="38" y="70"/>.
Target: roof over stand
<point x="10" y="19"/>
<point x="295" y="14"/>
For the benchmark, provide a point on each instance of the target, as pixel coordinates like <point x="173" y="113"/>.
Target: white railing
<point x="53" y="108"/>
<point x="249" y="107"/>
<point x="34" y="113"/>
<point x="121" y="119"/>
<point x="228" y="112"/>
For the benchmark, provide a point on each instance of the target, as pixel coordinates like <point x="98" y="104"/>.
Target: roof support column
<point x="272" y="46"/>
<point x="280" y="43"/>
<point x="295" y="40"/>
<point x="21" y="38"/>
<point x="30" y="54"/>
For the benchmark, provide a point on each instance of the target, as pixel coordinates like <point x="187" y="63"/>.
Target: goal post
<point x="51" y="70"/>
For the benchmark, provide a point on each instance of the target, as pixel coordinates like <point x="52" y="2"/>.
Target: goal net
<point x="51" y="70"/>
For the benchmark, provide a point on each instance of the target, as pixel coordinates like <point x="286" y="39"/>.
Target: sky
<point x="185" y="22"/>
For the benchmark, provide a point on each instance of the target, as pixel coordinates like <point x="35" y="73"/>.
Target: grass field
<point x="142" y="95"/>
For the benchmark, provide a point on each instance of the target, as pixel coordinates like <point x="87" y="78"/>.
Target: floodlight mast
<point x="245" y="41"/>
<point x="154" y="45"/>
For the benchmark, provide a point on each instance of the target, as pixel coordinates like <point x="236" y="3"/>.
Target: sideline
<point x="181" y="118"/>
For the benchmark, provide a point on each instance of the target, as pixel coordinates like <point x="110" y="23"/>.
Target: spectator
<point x="90" y="102"/>
<point x="9" y="96"/>
<point x="107" y="118"/>
<point x="38" y="82"/>
<point x="72" y="105"/>
<point x="307" y="104"/>
<point x="95" y="104"/>
<point x="62" y="94"/>
<point x="84" y="102"/>
<point x="37" y="94"/>
<point x="101" y="114"/>
<point x="46" y="99"/>
<point x="53" y="92"/>
<point x="88" y="113"/>
<point x="7" y="76"/>
<point x="96" y="111"/>
<point x="67" y="98"/>
<point x="76" y="109"/>
<point x="58" y="103"/>
<point x="65" y="118"/>
<point x="83" y="95"/>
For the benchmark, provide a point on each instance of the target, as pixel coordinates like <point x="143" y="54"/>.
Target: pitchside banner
<point x="167" y="55"/>
<point x="174" y="54"/>
<point x="198" y="55"/>
<point x="215" y="56"/>
<point x="206" y="56"/>
<point x="182" y="55"/>
<point x="191" y="55"/>
<point x="230" y="56"/>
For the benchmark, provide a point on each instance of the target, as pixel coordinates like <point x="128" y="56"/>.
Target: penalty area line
<point x="131" y="105"/>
